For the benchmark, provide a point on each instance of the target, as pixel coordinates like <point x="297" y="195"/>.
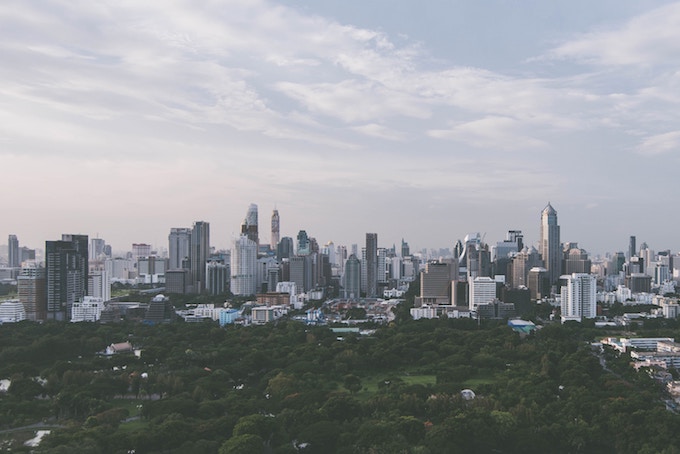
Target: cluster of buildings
<point x="472" y="280"/>
<point x="502" y="280"/>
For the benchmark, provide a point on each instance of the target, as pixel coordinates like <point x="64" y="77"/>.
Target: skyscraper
<point x="275" y="230"/>
<point x="303" y="243"/>
<point x="200" y="250"/>
<point x="250" y="225"/>
<point x="96" y="248"/>
<point x="549" y="246"/>
<point x="179" y="242"/>
<point x="31" y="290"/>
<point x="66" y="274"/>
<point x="285" y="249"/>
<point x="371" y="265"/>
<point x="244" y="266"/>
<point x="578" y="297"/>
<point x="13" y="252"/>
<point x="631" y="247"/>
<point x="352" y="277"/>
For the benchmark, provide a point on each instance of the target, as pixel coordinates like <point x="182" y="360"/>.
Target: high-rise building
<point x="303" y="247"/>
<point x="99" y="285"/>
<point x="140" y="250"/>
<point x="249" y="227"/>
<point x="200" y="250"/>
<point x="578" y="297"/>
<point x="97" y="248"/>
<point x="352" y="278"/>
<point x="285" y="248"/>
<point x="537" y="282"/>
<point x="405" y="250"/>
<point x="275" y="230"/>
<point x="31" y="289"/>
<point x="217" y="274"/>
<point x="482" y="291"/>
<point x="521" y="264"/>
<point x="244" y="267"/>
<point x="66" y="274"/>
<point x="632" y="251"/>
<point x="13" y="252"/>
<point x="179" y="245"/>
<point x="371" y="265"/>
<point x="576" y="261"/>
<point x="436" y="282"/>
<point x="549" y="246"/>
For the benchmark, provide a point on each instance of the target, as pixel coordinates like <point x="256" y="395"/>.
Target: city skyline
<point x="417" y="121"/>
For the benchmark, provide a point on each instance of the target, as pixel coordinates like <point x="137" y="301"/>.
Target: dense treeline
<point x="288" y="388"/>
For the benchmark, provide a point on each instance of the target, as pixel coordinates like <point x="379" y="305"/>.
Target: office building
<point x="88" y="310"/>
<point x="537" y="282"/>
<point x="13" y="256"/>
<point x="519" y="268"/>
<point x="482" y="290"/>
<point x="275" y="230"/>
<point x="179" y="245"/>
<point x="436" y="283"/>
<point x="578" y="299"/>
<point x="66" y="274"/>
<point x="285" y="248"/>
<point x="140" y="250"/>
<point x="97" y="246"/>
<point x="31" y="286"/>
<point x="244" y="266"/>
<point x="217" y="274"/>
<point x="200" y="250"/>
<point x="371" y="265"/>
<point x="99" y="285"/>
<point x="12" y="311"/>
<point x="549" y="246"/>
<point x="303" y="247"/>
<point x="249" y="228"/>
<point x="576" y="260"/>
<point x="352" y="278"/>
<point x="632" y="250"/>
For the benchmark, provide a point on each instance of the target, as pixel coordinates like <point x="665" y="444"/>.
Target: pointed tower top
<point x="549" y="209"/>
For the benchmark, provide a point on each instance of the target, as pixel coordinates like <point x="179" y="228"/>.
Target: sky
<point x="417" y="120"/>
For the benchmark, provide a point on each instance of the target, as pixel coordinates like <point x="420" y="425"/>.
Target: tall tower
<point x="13" y="251"/>
<point x="371" y="265"/>
<point x="249" y="226"/>
<point x="549" y="246"/>
<point x="352" y="277"/>
<point x="31" y="289"/>
<point x="244" y="266"/>
<point x="66" y="274"/>
<point x="200" y="250"/>
<point x="179" y="244"/>
<point x="631" y="247"/>
<point x="578" y="297"/>
<point x="275" y="230"/>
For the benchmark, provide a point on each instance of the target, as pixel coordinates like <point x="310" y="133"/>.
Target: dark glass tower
<point x="66" y="274"/>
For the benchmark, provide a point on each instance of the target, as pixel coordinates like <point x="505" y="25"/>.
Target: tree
<point x="243" y="444"/>
<point x="352" y="383"/>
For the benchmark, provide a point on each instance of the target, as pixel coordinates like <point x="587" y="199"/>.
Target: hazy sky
<point x="422" y="120"/>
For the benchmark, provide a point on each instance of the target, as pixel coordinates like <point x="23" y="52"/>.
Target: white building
<point x="99" y="284"/>
<point x="12" y="311"/>
<point x="87" y="310"/>
<point x="244" y="267"/>
<point x="482" y="290"/>
<point x="578" y="297"/>
<point x="290" y="288"/>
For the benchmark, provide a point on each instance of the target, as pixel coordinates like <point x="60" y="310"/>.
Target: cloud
<point x="495" y="133"/>
<point x="646" y="40"/>
<point x="380" y="131"/>
<point x="660" y="144"/>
